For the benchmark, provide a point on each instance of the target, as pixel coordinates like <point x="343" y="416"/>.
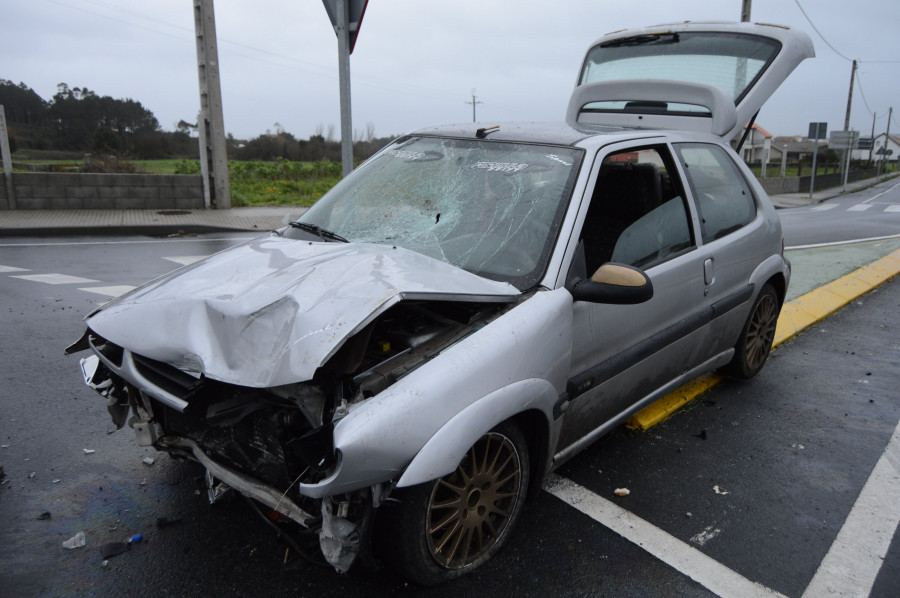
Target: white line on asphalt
<point x="888" y="190"/>
<point x="685" y="558"/>
<point x="892" y="208"/>
<point x="113" y="291"/>
<point x="860" y="207"/>
<point x="54" y="278"/>
<point x="855" y="558"/>
<point x="12" y="269"/>
<point x="823" y="207"/>
<point x="836" y="243"/>
<point x="185" y="260"/>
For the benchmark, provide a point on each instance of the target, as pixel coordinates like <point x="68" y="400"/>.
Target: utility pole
<point x="7" y="162"/>
<point x="845" y="163"/>
<point x="872" y="137"/>
<point x="887" y="135"/>
<point x="745" y="11"/>
<point x="212" y="125"/>
<point x="473" y="102"/>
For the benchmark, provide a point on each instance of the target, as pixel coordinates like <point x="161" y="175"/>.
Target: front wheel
<point x="447" y="528"/>
<point x="756" y="338"/>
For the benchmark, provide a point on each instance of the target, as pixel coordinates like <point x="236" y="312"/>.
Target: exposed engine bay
<point x="263" y="442"/>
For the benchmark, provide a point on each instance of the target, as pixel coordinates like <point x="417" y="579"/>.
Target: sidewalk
<point x="798" y="200"/>
<point x="167" y="222"/>
<point x="143" y="222"/>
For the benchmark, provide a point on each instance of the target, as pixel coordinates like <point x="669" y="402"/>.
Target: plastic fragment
<point x="31" y="475"/>
<point x="719" y="490"/>
<point x="89" y="451"/>
<point x="56" y="481"/>
<point x="136" y="538"/>
<point x="76" y="541"/>
<point x="622" y="492"/>
<point x="148" y="461"/>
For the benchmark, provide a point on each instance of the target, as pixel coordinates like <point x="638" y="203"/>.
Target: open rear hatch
<point x="706" y="77"/>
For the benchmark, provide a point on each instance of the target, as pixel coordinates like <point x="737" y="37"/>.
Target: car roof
<point x="552" y="133"/>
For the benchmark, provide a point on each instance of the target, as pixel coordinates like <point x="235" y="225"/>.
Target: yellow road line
<point x="796" y="316"/>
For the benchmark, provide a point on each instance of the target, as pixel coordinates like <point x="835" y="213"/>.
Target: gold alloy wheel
<point x="471" y="508"/>
<point x="761" y="330"/>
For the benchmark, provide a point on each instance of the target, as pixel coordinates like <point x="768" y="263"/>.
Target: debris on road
<point x="89" y="451"/>
<point x="719" y="490"/>
<point x="44" y="516"/>
<point x="76" y="541"/>
<point x="622" y="492"/>
<point x="148" y="461"/>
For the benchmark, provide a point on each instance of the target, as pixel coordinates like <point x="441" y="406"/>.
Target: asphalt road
<point x="870" y="213"/>
<point x="789" y="452"/>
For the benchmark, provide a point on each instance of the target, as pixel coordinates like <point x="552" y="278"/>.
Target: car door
<point x="734" y="237"/>
<point x="638" y="215"/>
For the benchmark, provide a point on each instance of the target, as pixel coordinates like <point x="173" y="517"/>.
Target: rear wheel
<point x="756" y="338"/>
<point x="447" y="528"/>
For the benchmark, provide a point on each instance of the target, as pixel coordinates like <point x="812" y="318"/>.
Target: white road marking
<point x="860" y="207"/>
<point x="55" y="278"/>
<point x="856" y="556"/>
<point x="681" y="556"/>
<point x="888" y="190"/>
<point x="823" y="207"/>
<point x="12" y="269"/>
<point x="113" y="291"/>
<point x="893" y="208"/>
<point x="836" y="243"/>
<point x="186" y="260"/>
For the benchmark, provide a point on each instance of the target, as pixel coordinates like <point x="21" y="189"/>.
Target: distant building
<point x="756" y="147"/>
<point x="878" y="149"/>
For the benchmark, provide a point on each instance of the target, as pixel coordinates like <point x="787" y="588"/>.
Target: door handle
<point x="708" y="273"/>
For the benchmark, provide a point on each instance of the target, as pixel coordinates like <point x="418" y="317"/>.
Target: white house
<point x="878" y="149"/>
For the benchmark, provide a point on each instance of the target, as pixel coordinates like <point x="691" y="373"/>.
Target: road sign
<point x="865" y="143"/>
<point x="818" y="130"/>
<point x="843" y="140"/>
<point x="356" y="10"/>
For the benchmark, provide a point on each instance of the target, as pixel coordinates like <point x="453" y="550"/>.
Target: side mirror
<point x="614" y="283"/>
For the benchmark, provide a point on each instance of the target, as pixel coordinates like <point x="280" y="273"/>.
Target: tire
<point x="447" y="528"/>
<point x="756" y="338"/>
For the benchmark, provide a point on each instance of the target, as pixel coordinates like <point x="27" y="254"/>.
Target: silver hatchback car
<point x="472" y="306"/>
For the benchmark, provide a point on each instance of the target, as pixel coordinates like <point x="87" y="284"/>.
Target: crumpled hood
<point x="271" y="311"/>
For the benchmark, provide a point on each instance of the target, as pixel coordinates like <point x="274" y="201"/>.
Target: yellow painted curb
<point x="796" y="315"/>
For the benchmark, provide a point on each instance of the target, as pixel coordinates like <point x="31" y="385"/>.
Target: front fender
<point x="446" y="449"/>
<point x="528" y="347"/>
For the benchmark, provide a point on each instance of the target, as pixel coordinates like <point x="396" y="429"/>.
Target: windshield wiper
<point x="324" y="234"/>
<point x="640" y="40"/>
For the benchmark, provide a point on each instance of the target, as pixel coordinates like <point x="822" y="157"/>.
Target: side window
<point x="637" y="214"/>
<point x="724" y="200"/>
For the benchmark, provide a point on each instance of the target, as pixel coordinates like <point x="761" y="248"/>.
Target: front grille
<point x="110" y="351"/>
<point x="165" y="376"/>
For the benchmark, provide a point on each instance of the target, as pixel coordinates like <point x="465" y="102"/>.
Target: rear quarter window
<point x="724" y="200"/>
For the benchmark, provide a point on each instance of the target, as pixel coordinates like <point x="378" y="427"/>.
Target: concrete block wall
<point x="72" y="191"/>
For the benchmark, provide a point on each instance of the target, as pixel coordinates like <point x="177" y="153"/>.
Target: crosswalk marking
<point x="823" y="207"/>
<point x="111" y="291"/>
<point x="54" y="278"/>
<point x="860" y="207"/>
<point x="12" y="269"/>
<point x="185" y="260"/>
<point x="894" y="208"/>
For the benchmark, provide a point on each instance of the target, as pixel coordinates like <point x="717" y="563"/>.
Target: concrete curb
<point x="796" y="316"/>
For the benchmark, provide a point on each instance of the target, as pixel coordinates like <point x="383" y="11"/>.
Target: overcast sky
<point x="416" y="61"/>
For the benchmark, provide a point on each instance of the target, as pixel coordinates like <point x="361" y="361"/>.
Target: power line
<point x="797" y="2"/>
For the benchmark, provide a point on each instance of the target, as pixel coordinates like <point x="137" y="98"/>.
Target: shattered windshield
<point x="492" y="208"/>
<point x="730" y="61"/>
